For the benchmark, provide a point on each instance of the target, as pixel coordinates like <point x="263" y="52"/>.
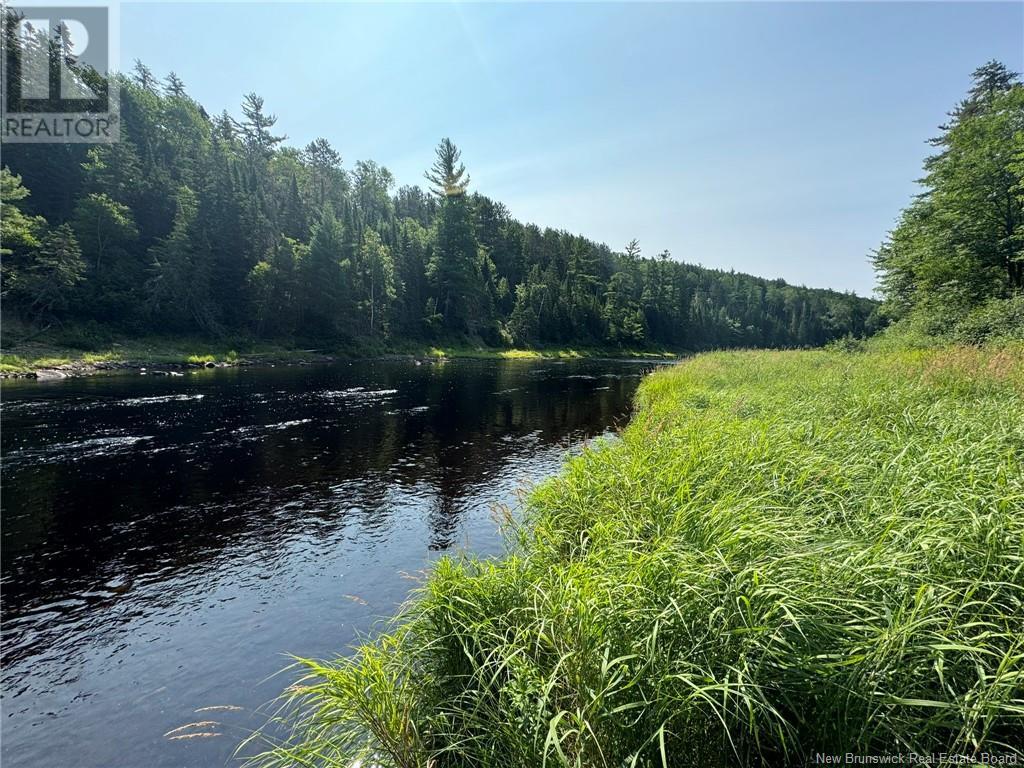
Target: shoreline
<point x="53" y="364"/>
<point x="798" y="508"/>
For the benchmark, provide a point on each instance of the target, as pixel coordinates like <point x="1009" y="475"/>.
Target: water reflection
<point x="165" y="539"/>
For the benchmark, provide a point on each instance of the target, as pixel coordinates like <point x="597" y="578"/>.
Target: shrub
<point x="997" y="319"/>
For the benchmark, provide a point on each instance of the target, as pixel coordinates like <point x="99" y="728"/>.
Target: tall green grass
<point x="784" y="553"/>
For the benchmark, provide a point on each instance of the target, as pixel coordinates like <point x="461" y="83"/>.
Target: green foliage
<point x="326" y="275"/>
<point x="56" y="267"/>
<point x="447" y="175"/>
<point x="106" y="229"/>
<point x="274" y="288"/>
<point x="178" y="293"/>
<point x="18" y="232"/>
<point x="377" y="271"/>
<point x="13" y="364"/>
<point x="622" y="310"/>
<point x="995" y="320"/>
<point x="255" y="129"/>
<point x="960" y="244"/>
<point x="784" y="553"/>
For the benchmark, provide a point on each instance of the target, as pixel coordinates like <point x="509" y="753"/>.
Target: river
<point x="168" y="540"/>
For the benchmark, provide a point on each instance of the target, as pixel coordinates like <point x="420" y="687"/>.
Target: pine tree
<point x="453" y="268"/>
<point x="326" y="278"/>
<point x="447" y="175"/>
<point x="174" y="86"/>
<point x="179" y="287"/>
<point x="144" y="77"/>
<point x="54" y="271"/>
<point x="255" y="129"/>
<point x="293" y="218"/>
<point x="633" y="250"/>
<point x="325" y="163"/>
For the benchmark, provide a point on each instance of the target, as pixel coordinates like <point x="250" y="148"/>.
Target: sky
<point x="779" y="139"/>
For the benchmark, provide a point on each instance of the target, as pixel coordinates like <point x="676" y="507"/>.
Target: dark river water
<point x="168" y="540"/>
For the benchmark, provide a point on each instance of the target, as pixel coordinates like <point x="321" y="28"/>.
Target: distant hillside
<point x="214" y="226"/>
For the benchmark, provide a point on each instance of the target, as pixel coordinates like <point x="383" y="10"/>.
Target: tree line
<point x="212" y="224"/>
<point x="953" y="267"/>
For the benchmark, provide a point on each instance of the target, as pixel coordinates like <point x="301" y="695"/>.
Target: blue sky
<point x="780" y="139"/>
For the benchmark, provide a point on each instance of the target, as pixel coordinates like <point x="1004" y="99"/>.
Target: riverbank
<point x="157" y="357"/>
<point x="786" y="553"/>
<point x="162" y="356"/>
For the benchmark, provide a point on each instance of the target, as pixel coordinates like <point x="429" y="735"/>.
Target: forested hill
<point x="199" y="224"/>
